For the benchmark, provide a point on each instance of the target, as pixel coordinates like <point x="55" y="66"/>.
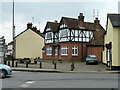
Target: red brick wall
<point x="69" y="56"/>
<point x="95" y="51"/>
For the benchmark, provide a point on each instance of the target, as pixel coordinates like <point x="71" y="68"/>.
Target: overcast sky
<point x="50" y="11"/>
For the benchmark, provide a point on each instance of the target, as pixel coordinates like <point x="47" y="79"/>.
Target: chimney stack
<point x="56" y="21"/>
<point x="81" y="20"/>
<point x="96" y="21"/>
<point x="29" y="25"/>
<point x="34" y="28"/>
<point x="81" y="17"/>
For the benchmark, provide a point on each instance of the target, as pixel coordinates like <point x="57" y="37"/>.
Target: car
<point x="91" y="59"/>
<point x="5" y="70"/>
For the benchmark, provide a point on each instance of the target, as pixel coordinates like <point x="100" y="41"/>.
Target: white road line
<point x="24" y="85"/>
<point x="27" y="84"/>
<point x="30" y="82"/>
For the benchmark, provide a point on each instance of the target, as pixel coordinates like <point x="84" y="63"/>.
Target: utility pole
<point x="13" y="57"/>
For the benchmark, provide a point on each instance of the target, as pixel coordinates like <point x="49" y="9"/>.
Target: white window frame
<point x="56" y="51"/>
<point x="65" y="31"/>
<point x="49" y="51"/>
<point x="64" y="50"/>
<point x="74" y="48"/>
<point x="48" y="34"/>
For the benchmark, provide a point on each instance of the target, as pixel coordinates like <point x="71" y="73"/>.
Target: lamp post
<point x="13" y="27"/>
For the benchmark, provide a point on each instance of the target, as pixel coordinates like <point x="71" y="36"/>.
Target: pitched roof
<point x="115" y="19"/>
<point x="98" y="38"/>
<point x="10" y="43"/>
<point x="73" y="23"/>
<point x="36" y="31"/>
<point x="53" y="26"/>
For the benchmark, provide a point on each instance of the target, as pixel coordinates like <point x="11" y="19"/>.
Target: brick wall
<point x="95" y="51"/>
<point x="69" y="56"/>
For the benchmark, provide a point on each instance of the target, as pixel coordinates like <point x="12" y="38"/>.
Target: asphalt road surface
<point x="60" y="80"/>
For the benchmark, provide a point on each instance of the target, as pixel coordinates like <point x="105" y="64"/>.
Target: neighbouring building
<point x="71" y="38"/>
<point x="10" y="48"/>
<point x="111" y="53"/>
<point x="29" y="43"/>
<point x="2" y="49"/>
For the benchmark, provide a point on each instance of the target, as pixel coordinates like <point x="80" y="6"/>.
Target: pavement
<point x="64" y="67"/>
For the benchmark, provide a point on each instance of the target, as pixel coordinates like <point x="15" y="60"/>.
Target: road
<point x="60" y="80"/>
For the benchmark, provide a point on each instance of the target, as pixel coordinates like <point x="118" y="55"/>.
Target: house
<point x="10" y="48"/>
<point x="67" y="40"/>
<point x="96" y="45"/>
<point x="111" y="53"/>
<point x="29" y="43"/>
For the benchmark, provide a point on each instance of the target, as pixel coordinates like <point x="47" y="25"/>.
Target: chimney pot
<point x="81" y="14"/>
<point x="96" y="21"/>
<point x="81" y="17"/>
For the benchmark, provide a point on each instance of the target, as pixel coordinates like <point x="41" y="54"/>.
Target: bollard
<point x="16" y="63"/>
<point x="40" y="64"/>
<point x="72" y="67"/>
<point x="8" y="63"/>
<point x="5" y="62"/>
<point x="55" y="65"/>
<point x="26" y="64"/>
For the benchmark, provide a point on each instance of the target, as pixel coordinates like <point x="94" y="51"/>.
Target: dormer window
<point x="48" y="29"/>
<point x="63" y="33"/>
<point x="49" y="35"/>
<point x="63" y="25"/>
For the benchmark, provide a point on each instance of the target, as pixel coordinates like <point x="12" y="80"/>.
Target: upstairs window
<point x="74" y="50"/>
<point x="64" y="50"/>
<point x="63" y="33"/>
<point x="48" y="29"/>
<point x="49" y="51"/>
<point x="49" y="35"/>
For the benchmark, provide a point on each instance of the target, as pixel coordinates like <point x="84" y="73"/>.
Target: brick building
<point x="72" y="39"/>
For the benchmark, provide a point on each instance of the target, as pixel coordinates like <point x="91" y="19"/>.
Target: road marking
<point x="16" y="71"/>
<point x="27" y="84"/>
<point x="30" y="82"/>
<point x="24" y="85"/>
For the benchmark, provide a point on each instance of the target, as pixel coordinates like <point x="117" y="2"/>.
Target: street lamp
<point x="13" y="57"/>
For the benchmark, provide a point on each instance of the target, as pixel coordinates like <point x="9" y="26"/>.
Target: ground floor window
<point x="74" y="50"/>
<point x="49" y="50"/>
<point x="56" y="51"/>
<point x="64" y="50"/>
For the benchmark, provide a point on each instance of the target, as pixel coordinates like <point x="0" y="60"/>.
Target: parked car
<point x="91" y="59"/>
<point x="5" y="70"/>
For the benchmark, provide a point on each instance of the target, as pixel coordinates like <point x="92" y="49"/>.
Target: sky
<point x="51" y="10"/>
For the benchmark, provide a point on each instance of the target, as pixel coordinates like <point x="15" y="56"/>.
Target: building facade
<point x="2" y="49"/>
<point x="10" y="48"/>
<point x="29" y="43"/>
<point x="111" y="53"/>
<point x="68" y="39"/>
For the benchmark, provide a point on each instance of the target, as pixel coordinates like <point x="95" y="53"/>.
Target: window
<point x="56" y="51"/>
<point x="49" y="50"/>
<point x="74" y="50"/>
<point x="48" y="29"/>
<point x="49" y="35"/>
<point x="64" y="50"/>
<point x="63" y="33"/>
